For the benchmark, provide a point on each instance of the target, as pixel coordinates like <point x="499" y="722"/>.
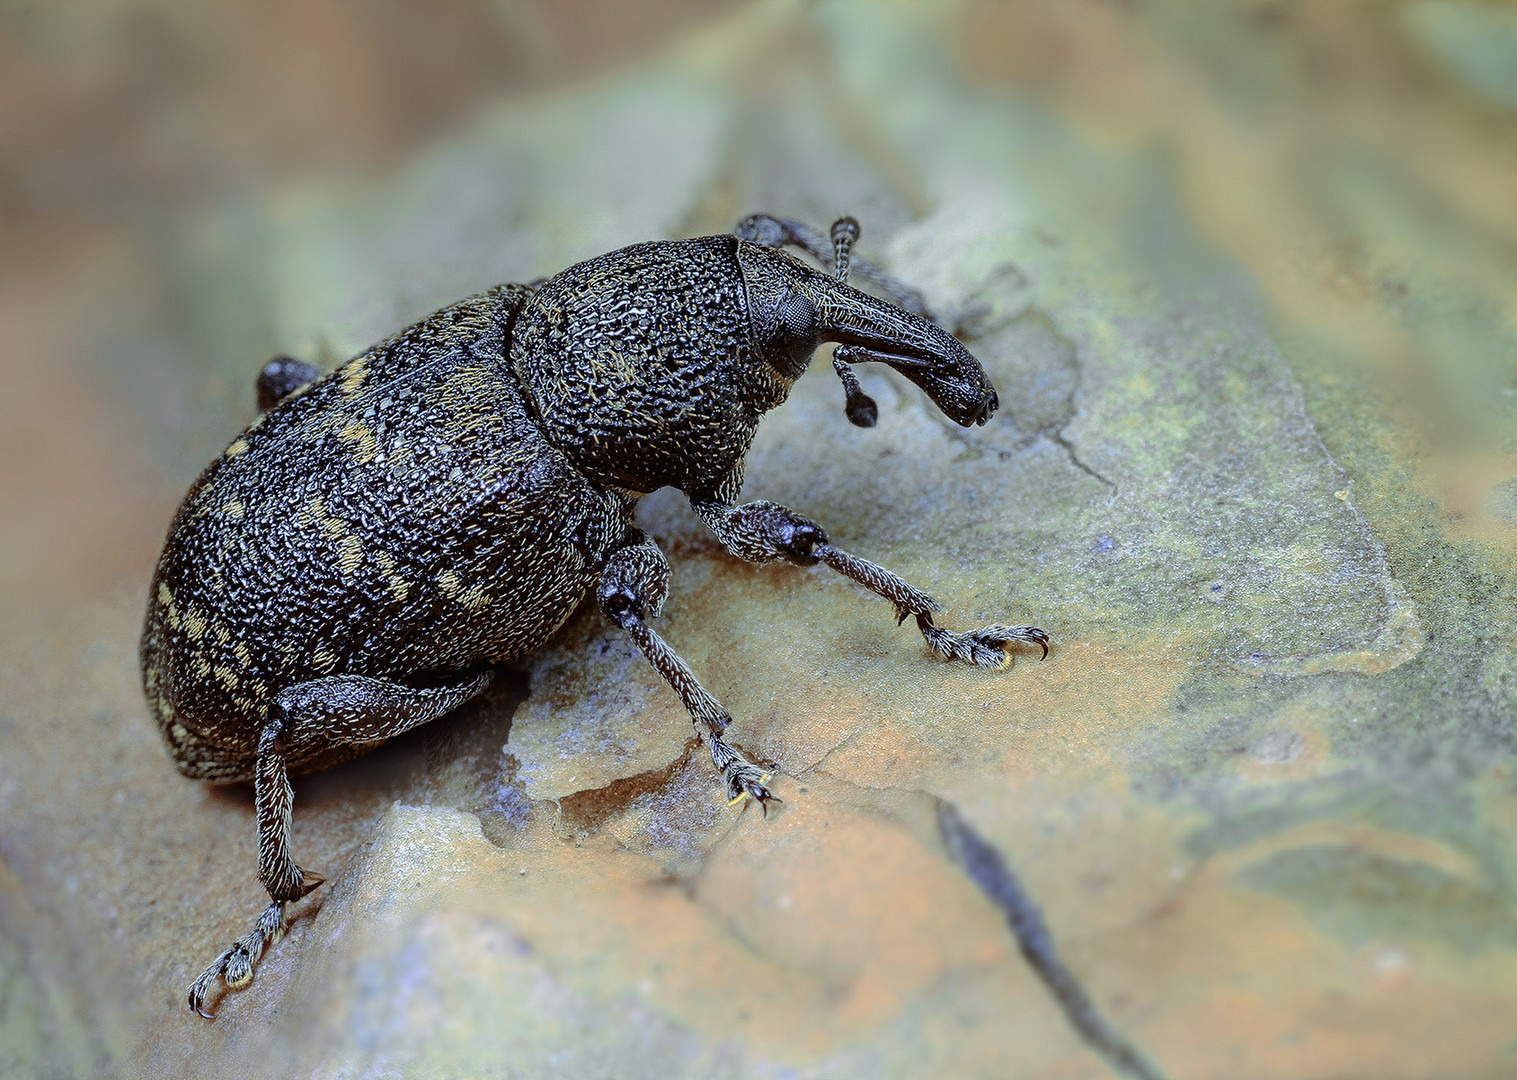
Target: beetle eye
<point x="797" y="318"/>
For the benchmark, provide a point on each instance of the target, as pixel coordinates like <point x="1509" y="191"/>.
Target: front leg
<point x="767" y="532"/>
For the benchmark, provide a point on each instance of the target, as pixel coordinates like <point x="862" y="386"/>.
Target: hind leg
<point x="343" y="710"/>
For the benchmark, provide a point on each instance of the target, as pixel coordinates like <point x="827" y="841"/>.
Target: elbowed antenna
<point x="859" y="407"/>
<point x="770" y="231"/>
<point x="865" y="327"/>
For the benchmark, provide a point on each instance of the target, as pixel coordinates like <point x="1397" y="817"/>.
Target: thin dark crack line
<point x="987" y="869"/>
<point x="1071" y="411"/>
<point x="819" y="762"/>
<point x="1074" y="458"/>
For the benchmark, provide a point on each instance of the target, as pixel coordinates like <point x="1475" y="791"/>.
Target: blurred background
<point x="1355" y="158"/>
<point x="187" y="189"/>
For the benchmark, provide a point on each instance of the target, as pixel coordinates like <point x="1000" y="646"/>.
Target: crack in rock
<point x="988" y="869"/>
<point x="586" y="811"/>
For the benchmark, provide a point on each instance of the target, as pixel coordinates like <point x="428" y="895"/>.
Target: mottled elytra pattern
<point x="400" y="516"/>
<point x="356" y="560"/>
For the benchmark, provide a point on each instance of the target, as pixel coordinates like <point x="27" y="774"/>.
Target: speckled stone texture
<point x="1253" y="472"/>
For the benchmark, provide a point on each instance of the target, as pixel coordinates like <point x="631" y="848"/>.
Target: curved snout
<point x="867" y="328"/>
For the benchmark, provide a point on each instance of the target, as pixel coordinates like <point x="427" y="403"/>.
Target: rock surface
<point x="1261" y="788"/>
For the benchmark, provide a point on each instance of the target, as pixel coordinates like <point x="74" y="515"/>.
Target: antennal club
<point x="845" y="230"/>
<point x="860" y="407"/>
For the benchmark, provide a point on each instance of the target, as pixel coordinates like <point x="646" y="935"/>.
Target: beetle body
<point x="401" y="516"/>
<point x="356" y="559"/>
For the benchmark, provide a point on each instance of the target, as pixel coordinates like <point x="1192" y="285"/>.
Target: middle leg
<point x="633" y="588"/>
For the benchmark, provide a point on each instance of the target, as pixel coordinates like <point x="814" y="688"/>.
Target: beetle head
<point x="794" y="308"/>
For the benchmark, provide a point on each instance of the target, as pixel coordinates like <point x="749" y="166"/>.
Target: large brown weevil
<point x="355" y="561"/>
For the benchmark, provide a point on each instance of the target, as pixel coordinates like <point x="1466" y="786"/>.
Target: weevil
<point x="354" y="563"/>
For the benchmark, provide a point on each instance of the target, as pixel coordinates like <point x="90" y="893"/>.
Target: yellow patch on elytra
<point x="354" y="374"/>
<point x="166" y="598"/>
<point x="448" y="580"/>
<point x="223" y="635"/>
<point x="467" y="403"/>
<point x="194" y="624"/>
<point x="400" y="588"/>
<point x="238" y="447"/>
<point x="349" y="547"/>
<point x="226" y="676"/>
<point x="332" y="527"/>
<point x="349" y="555"/>
<point x="362" y="440"/>
<point x="233" y="509"/>
<point x="244" y="657"/>
<point x="202" y="668"/>
<point x="323" y="660"/>
<point x="313" y="512"/>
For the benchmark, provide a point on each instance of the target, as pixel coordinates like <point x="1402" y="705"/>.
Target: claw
<point x="764" y="799"/>
<point x="197" y="998"/>
<point x="1033" y="636"/>
<point x="744" y="779"/>
<point x="989" y="646"/>
<point x="744" y="786"/>
<point x="1030" y="634"/>
<point x="202" y="985"/>
<point x="235" y="966"/>
<point x="755" y="790"/>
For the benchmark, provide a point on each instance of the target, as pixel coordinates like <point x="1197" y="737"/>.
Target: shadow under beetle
<point x="356" y="559"/>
